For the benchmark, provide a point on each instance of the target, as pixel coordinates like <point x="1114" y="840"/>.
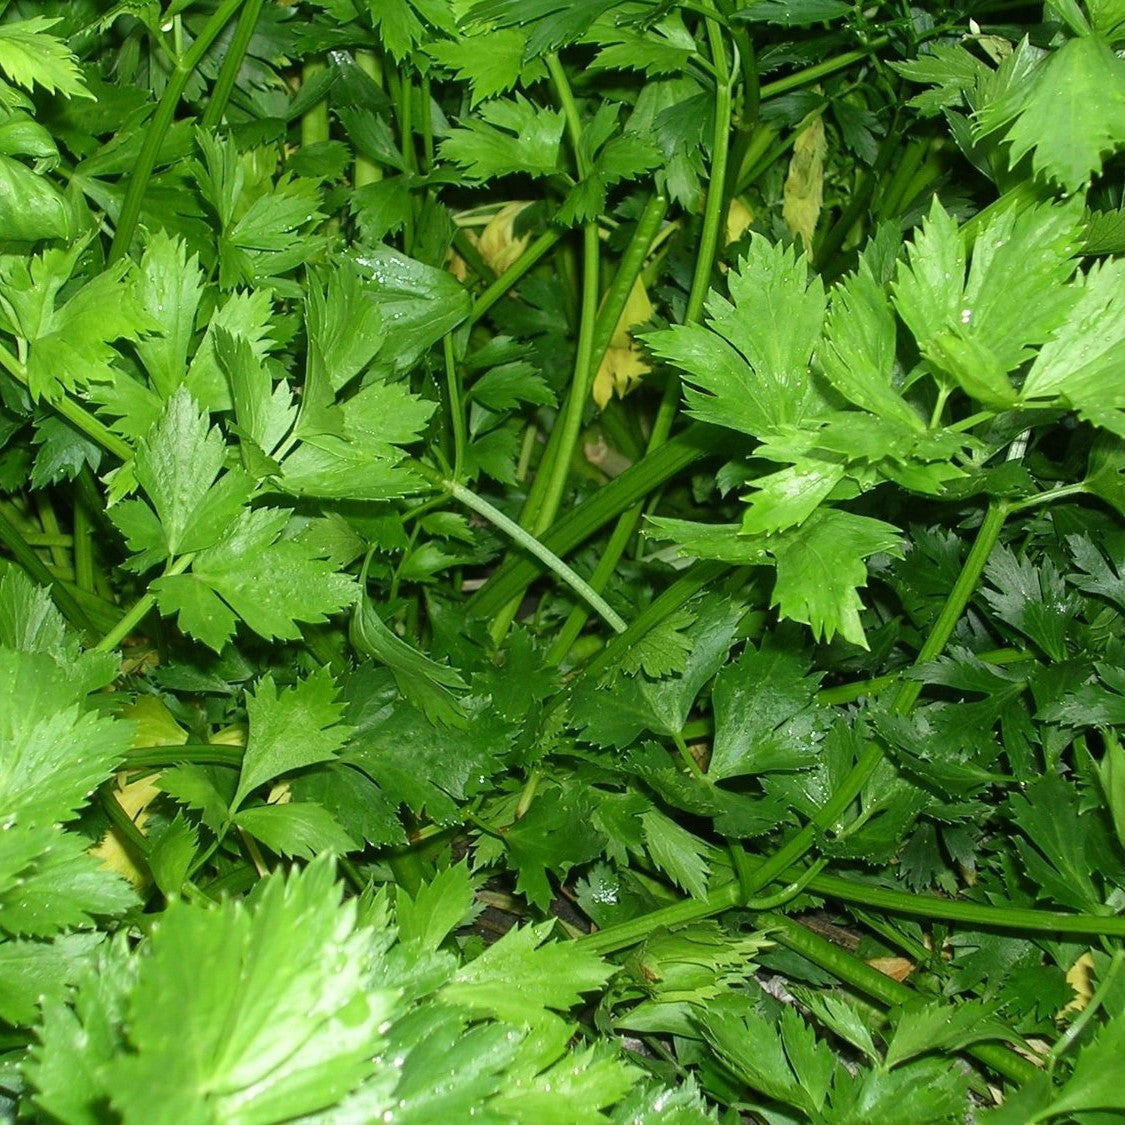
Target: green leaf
<point x="31" y="207"/>
<point x="345" y="323"/>
<point x="170" y="288"/>
<point x="749" y="368"/>
<point x="416" y="763"/>
<point x="423" y="681"/>
<point x="1031" y="598"/>
<point x="179" y="464"/>
<point x="765" y="713"/>
<point x="422" y="302"/>
<point x="54" y="753"/>
<point x="32" y="972"/>
<point x="439" y="907"/>
<point x="550" y="976"/>
<point x="1080" y="363"/>
<point x="925" y="1026"/>
<point x="794" y="13"/>
<point x="677" y="852"/>
<point x="785" y="1063"/>
<point x="296" y="829"/>
<point x="1057" y="851"/>
<point x="820" y="565"/>
<point x="270" y="583"/>
<point x="70" y="342"/>
<point x="283" y="1023"/>
<point x="1069" y="112"/>
<point x="290" y="729"/>
<point x="507" y="136"/>
<point x="492" y="63"/>
<point x="859" y="356"/>
<point x="543" y="840"/>
<point x="172" y="854"/>
<point x="1095" y="1083"/>
<point x="30" y="56"/>
<point x="48" y="883"/>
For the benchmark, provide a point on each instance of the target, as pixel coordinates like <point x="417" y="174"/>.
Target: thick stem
<point x="875" y="984"/>
<point x="232" y="63"/>
<point x="159" y="125"/>
<point x="11" y="538"/>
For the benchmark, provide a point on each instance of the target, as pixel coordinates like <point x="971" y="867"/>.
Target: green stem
<point x="543" y="504"/>
<point x="80" y="418"/>
<point x="713" y="212"/>
<point x="83" y="546"/>
<point x="160" y="124"/>
<point x="121" y="820"/>
<point x="504" y="283"/>
<point x="139" y="611"/>
<point x="199" y="753"/>
<point x="315" y="126"/>
<point x="232" y="63"/>
<point x="907" y="696"/>
<point x="620" y="494"/>
<point x="37" y="570"/>
<point x="613" y="305"/>
<point x="875" y="984"/>
<point x="632" y="262"/>
<point x="811" y="74"/>
<point x="970" y="913"/>
<point x="456" y="405"/>
<point x="714" y="207"/>
<point x="1083" y="1018"/>
<point x="1048" y="497"/>
<point x="986" y="539"/>
<point x="365" y="170"/>
<point x="534" y="547"/>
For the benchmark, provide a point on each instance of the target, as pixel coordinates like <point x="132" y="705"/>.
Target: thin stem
<point x="159" y="125"/>
<point x="504" y="283"/>
<point x="1062" y="1045"/>
<point x="811" y="74"/>
<point x="986" y="539"/>
<point x="533" y="546"/>
<point x="139" y="611"/>
<point x="1048" y="497"/>
<point x="121" y="820"/>
<point x="232" y="63"/>
<point x="456" y="405"/>
<point x="713" y="213"/>
<point x="83" y="547"/>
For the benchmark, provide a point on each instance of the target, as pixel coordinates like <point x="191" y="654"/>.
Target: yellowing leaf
<point x="134" y="797"/>
<point x="1080" y="977"/>
<point x="804" y="186"/>
<point x="497" y="243"/>
<point x="624" y="364"/>
<point x="739" y="218"/>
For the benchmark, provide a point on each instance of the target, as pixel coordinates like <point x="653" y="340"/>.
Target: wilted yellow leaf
<point x="624" y="365"/>
<point x="497" y="243"/>
<point x="154" y="726"/>
<point x="804" y="186"/>
<point x="1080" y="977"/>
<point x="897" y="968"/>
<point x="739" y="218"/>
